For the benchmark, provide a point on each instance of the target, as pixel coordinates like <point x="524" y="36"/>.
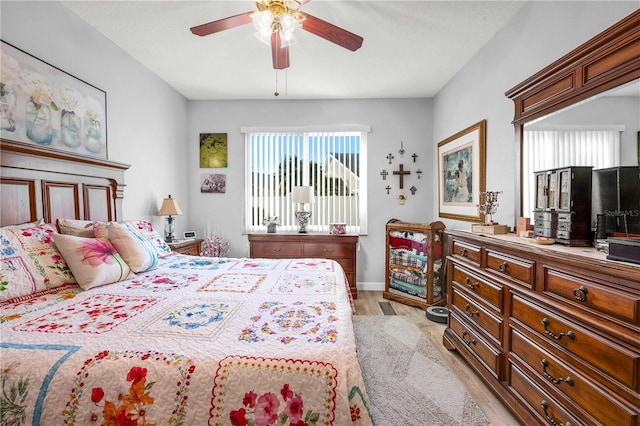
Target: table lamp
<point x="303" y="195"/>
<point x="169" y="208"/>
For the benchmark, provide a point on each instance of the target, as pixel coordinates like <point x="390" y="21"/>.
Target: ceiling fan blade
<point x="222" y="24"/>
<point x="279" y="54"/>
<point x="330" y="32"/>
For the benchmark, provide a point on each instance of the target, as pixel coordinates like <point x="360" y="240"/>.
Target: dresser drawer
<point x="572" y="383"/>
<point x="547" y="216"/>
<point x="537" y="399"/>
<point x="489" y="292"/>
<point x="521" y="271"/>
<point x="276" y="250"/>
<point x="543" y="232"/>
<point x="463" y="250"/>
<point x="326" y="250"/>
<point x="588" y="294"/>
<point x="485" y="352"/>
<point x="609" y="357"/>
<point x="477" y="314"/>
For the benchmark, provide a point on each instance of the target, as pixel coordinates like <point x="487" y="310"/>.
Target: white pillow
<point x="79" y="228"/>
<point x="93" y="261"/>
<point x="140" y="227"/>
<point x="139" y="254"/>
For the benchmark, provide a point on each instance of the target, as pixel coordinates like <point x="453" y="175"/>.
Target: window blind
<point x="332" y="162"/>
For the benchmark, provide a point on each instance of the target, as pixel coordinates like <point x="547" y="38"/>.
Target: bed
<point x="101" y="323"/>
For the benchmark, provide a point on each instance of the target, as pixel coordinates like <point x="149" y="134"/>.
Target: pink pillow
<point x="31" y="261"/>
<point x="93" y="261"/>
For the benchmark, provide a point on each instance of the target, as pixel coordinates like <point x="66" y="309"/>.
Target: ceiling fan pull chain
<point x="276" y="92"/>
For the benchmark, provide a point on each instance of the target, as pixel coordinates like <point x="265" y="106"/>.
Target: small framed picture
<point x="189" y="235"/>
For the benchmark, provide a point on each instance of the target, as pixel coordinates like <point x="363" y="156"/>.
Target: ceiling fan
<point x="276" y="22"/>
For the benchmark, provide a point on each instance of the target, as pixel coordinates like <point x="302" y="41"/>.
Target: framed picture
<point x="213" y="183"/>
<point x="45" y="106"/>
<point x="213" y="150"/>
<point x="461" y="173"/>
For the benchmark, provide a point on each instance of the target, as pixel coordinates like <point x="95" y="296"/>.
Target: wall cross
<point x="401" y="174"/>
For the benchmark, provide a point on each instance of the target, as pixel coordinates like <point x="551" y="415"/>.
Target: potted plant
<point x="271" y="222"/>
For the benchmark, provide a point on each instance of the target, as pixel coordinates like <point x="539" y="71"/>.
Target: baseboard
<point x="370" y="286"/>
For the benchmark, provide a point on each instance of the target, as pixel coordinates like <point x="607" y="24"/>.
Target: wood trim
<point x="46" y="199"/>
<point x="110" y="198"/>
<point x="46" y="152"/>
<point x="609" y="59"/>
<point x="31" y="189"/>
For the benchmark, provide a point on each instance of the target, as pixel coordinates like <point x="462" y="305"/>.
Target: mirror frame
<point x="608" y="60"/>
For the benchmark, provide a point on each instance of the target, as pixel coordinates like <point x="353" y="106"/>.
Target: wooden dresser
<point x="341" y="248"/>
<point x="553" y="330"/>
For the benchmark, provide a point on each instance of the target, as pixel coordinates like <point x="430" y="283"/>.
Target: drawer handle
<point x="569" y="333"/>
<point x="327" y="250"/>
<point x="580" y="294"/>
<point x="471" y="286"/>
<point x="503" y="267"/>
<point x="463" y="252"/>
<point x="275" y="249"/>
<point x="468" y="342"/>
<point x="545" y="406"/>
<point x="552" y="379"/>
<point x="469" y="313"/>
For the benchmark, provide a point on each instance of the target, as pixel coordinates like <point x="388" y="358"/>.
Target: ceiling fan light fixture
<point x="277" y="16"/>
<point x="288" y="27"/>
<point x="263" y="23"/>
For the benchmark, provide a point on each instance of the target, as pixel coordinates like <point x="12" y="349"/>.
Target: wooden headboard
<point x="40" y="182"/>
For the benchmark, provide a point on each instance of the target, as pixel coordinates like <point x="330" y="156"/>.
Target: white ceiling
<point x="411" y="48"/>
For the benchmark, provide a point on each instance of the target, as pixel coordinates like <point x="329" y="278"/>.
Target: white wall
<point x="146" y="118"/>
<point x="391" y="121"/>
<point x="539" y="34"/>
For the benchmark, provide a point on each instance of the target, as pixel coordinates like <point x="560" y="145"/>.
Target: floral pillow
<point x="31" y="261"/>
<point x="145" y="228"/>
<point x="139" y="254"/>
<point x="93" y="261"/>
<point x="140" y="227"/>
<point x="79" y="228"/>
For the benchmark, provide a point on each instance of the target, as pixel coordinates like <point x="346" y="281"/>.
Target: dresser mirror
<point x="586" y="125"/>
<point x="597" y="83"/>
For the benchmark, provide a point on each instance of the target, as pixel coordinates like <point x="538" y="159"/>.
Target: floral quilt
<point x="196" y="341"/>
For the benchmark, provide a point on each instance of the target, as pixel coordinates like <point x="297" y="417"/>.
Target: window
<point x="555" y="148"/>
<point x="332" y="162"/>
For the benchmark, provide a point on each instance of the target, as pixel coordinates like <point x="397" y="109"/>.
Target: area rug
<point x="407" y="381"/>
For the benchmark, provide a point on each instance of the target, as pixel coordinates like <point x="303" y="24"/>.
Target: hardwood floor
<point x="368" y="304"/>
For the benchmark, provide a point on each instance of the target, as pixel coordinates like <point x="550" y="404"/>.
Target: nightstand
<point x="190" y="247"/>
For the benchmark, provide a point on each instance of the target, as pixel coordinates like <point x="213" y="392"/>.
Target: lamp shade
<point x="303" y="194"/>
<point x="169" y="207"/>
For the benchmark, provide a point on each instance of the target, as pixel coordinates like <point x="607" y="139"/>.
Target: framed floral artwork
<point x="461" y="173"/>
<point x="213" y="183"/>
<point x="45" y="106"/>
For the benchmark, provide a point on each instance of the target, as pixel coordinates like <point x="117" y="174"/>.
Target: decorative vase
<point x="271" y="228"/>
<point x="8" y="101"/>
<point x="92" y="134"/>
<point x="70" y="125"/>
<point x="39" y="123"/>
